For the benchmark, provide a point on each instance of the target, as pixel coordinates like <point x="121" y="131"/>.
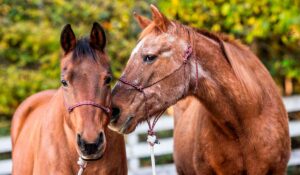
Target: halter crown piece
<point x="151" y="138"/>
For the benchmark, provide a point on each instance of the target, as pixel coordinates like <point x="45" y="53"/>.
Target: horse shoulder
<point x="25" y="109"/>
<point x="187" y="116"/>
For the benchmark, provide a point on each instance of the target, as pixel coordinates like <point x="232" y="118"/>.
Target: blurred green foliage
<point x="30" y="30"/>
<point x="270" y="27"/>
<point x="29" y="41"/>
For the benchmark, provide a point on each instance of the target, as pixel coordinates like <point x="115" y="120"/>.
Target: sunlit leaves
<point x="29" y="35"/>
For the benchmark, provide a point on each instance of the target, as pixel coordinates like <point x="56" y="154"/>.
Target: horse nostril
<point x="115" y="114"/>
<point x="100" y="139"/>
<point x="80" y="142"/>
<point x="90" y="148"/>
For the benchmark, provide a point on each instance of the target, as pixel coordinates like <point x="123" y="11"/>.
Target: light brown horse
<point x="243" y="126"/>
<point x="51" y="129"/>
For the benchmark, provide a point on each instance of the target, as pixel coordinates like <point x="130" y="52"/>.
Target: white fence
<point x="136" y="150"/>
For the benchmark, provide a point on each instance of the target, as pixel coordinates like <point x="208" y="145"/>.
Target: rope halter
<point x="151" y="138"/>
<point x="81" y="162"/>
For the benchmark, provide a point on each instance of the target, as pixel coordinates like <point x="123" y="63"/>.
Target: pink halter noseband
<point x="107" y="110"/>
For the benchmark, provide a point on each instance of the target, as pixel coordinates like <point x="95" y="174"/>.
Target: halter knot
<point x="151" y="139"/>
<point x="187" y="54"/>
<point x="139" y="88"/>
<point x="151" y="132"/>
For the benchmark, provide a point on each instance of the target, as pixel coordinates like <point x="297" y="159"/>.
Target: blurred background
<point x="30" y="31"/>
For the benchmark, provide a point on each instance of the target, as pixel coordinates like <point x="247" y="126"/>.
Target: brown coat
<point x="238" y="125"/>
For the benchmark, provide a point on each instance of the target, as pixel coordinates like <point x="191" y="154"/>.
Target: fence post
<point x="133" y="161"/>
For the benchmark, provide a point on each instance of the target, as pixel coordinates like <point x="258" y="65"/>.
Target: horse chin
<point x="126" y="128"/>
<point x="92" y="157"/>
<point x="129" y="126"/>
<point x="113" y="128"/>
<point x="96" y="156"/>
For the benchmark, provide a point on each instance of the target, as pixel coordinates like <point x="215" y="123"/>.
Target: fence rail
<point x="136" y="150"/>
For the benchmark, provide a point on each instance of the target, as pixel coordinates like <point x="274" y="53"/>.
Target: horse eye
<point x="64" y="83"/>
<point x="107" y="80"/>
<point x="149" y="58"/>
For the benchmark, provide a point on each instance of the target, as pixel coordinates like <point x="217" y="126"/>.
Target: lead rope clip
<point x="82" y="164"/>
<point x="152" y="140"/>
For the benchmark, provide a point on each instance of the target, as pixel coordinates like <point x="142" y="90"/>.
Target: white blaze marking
<point x="171" y="39"/>
<point x="138" y="46"/>
<point x="136" y="81"/>
<point x="167" y="54"/>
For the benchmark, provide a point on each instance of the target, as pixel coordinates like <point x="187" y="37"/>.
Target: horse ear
<point x="159" y="19"/>
<point x="97" y="37"/>
<point x="143" y="21"/>
<point x="67" y="39"/>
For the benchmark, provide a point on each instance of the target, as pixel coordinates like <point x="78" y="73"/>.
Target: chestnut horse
<point x="243" y="126"/>
<point x="52" y="129"/>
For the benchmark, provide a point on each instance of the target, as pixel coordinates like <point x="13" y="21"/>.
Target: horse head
<point x="154" y="77"/>
<point x="85" y="79"/>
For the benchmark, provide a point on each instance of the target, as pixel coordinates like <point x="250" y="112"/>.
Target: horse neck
<point x="219" y="89"/>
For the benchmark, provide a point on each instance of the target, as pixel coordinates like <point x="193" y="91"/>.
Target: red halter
<point x="107" y="110"/>
<point x="141" y="89"/>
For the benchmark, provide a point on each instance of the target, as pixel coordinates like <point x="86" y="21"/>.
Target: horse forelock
<point x="151" y="28"/>
<point x="83" y="50"/>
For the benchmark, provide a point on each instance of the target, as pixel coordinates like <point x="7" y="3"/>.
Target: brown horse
<point x="51" y="129"/>
<point x="243" y="126"/>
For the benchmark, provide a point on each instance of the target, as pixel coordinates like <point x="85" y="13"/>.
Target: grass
<point x="294" y="116"/>
<point x="5" y="123"/>
<point x="159" y="160"/>
<point x="293" y="170"/>
<point x="159" y="135"/>
<point x="5" y="156"/>
<point x="295" y="142"/>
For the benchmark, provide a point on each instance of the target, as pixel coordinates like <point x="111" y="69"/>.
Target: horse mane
<point x="149" y="29"/>
<point x="218" y="37"/>
<point x="242" y="61"/>
<point x="245" y="65"/>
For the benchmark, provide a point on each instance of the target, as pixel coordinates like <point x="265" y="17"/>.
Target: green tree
<point x="29" y="41"/>
<point x="270" y="27"/>
<point x="30" y="30"/>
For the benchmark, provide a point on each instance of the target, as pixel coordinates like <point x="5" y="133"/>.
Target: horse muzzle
<point x="91" y="151"/>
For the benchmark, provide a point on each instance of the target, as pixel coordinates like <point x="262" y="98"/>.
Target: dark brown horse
<point x="242" y="125"/>
<point x="51" y="129"/>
